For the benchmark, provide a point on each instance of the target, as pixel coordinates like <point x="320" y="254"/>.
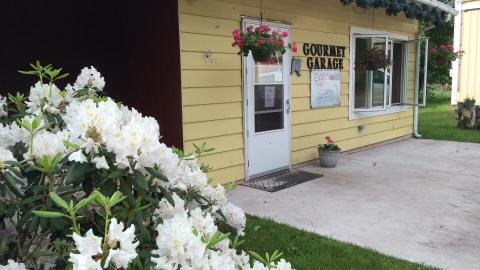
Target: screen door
<point x="267" y="110"/>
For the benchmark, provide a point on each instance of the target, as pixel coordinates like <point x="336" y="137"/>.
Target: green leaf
<point x="85" y="201"/>
<point x="117" y="173"/>
<point x="36" y="122"/>
<point x="16" y="172"/>
<point x="29" y="72"/>
<point x="258" y="257"/>
<point x="167" y="195"/>
<point x="139" y="181"/>
<point x="62" y="76"/>
<point x="31" y="199"/>
<point x="48" y="214"/>
<point x="155" y="173"/>
<point x="99" y="198"/>
<point x="12" y="163"/>
<point x="80" y="93"/>
<point x="70" y="145"/>
<point x="116" y="198"/>
<point x="58" y="200"/>
<point x="216" y="238"/>
<point x="56" y="160"/>
<point x="11" y="182"/>
<point x="44" y="253"/>
<point x="77" y="173"/>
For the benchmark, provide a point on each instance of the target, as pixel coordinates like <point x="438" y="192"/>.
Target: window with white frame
<point x="378" y="91"/>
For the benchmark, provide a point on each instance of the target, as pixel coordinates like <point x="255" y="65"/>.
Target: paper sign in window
<point x="269" y="96"/>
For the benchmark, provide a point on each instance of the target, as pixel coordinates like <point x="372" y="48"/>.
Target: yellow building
<point x="465" y="81"/>
<point x="261" y="118"/>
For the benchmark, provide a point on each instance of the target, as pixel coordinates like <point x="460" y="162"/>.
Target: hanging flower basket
<point x="261" y="41"/>
<point x="443" y="54"/>
<point x="372" y="59"/>
<point x="260" y="55"/>
<point x="442" y="61"/>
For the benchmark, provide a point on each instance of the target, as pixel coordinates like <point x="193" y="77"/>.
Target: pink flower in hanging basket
<point x="236" y="33"/>
<point x="294" y="47"/>
<point x="261" y="41"/>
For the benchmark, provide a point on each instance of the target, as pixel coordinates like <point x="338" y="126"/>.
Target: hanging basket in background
<point x="444" y="54"/>
<point x="442" y="61"/>
<point x="262" y="42"/>
<point x="372" y="59"/>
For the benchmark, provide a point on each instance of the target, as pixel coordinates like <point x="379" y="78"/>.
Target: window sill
<point x="392" y="109"/>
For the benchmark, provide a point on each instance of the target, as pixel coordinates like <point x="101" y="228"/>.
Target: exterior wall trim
<point x="457" y="30"/>
<point x="468" y="6"/>
<point x="439" y="5"/>
<point x="389" y="110"/>
<point x="245" y="20"/>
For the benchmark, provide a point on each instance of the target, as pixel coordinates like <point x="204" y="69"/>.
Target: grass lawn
<point x="437" y="121"/>
<point x="308" y="251"/>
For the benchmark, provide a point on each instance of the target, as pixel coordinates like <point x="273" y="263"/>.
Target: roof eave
<point x="439" y="5"/>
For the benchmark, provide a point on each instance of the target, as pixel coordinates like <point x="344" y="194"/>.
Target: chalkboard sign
<point x="324" y="88"/>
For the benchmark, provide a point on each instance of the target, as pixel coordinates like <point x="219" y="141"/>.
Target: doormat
<point x="280" y="180"/>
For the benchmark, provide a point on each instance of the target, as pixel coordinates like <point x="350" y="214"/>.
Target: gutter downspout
<point x="416" y="135"/>
<point x="417" y="86"/>
<point x="417" y="92"/>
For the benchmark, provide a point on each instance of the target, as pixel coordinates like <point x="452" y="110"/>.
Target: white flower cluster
<point x="90" y="79"/>
<point x="93" y="126"/>
<point x="123" y="131"/>
<point x="9" y="136"/>
<point x="3" y="106"/>
<point x="44" y="97"/>
<point x="186" y="175"/>
<point x="121" y="252"/>
<point x="13" y="265"/>
<point x="5" y="155"/>
<point x="183" y="242"/>
<point x="47" y="143"/>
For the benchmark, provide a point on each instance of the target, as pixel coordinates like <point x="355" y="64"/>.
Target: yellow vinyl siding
<point x="212" y="89"/>
<point x="469" y="83"/>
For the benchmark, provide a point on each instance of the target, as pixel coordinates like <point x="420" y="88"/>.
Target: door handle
<point x="288" y="105"/>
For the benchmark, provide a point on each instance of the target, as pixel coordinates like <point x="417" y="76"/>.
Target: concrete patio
<point x="414" y="199"/>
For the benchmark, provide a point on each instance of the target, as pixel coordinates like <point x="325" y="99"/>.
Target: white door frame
<point x="287" y="93"/>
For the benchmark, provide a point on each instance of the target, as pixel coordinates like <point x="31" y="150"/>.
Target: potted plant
<point x="443" y="54"/>
<point x="372" y="59"/>
<point x="328" y="153"/>
<point x="467" y="113"/>
<point x="261" y="41"/>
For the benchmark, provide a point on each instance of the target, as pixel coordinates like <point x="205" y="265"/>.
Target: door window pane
<point x="268" y="107"/>
<point x="269" y="72"/>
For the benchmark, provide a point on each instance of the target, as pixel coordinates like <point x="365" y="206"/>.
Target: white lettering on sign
<point x="324" y="88"/>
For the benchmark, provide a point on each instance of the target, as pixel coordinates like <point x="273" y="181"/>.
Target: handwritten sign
<point x="324" y="87"/>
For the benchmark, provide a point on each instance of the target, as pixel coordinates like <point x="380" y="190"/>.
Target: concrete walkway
<point x="415" y="199"/>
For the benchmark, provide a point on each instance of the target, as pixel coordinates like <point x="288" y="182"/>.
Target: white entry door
<point x="267" y="110"/>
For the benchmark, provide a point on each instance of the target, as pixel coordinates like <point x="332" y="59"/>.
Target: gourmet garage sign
<point x="322" y="56"/>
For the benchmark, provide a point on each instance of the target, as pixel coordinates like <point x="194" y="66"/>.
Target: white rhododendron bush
<point x="85" y="183"/>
